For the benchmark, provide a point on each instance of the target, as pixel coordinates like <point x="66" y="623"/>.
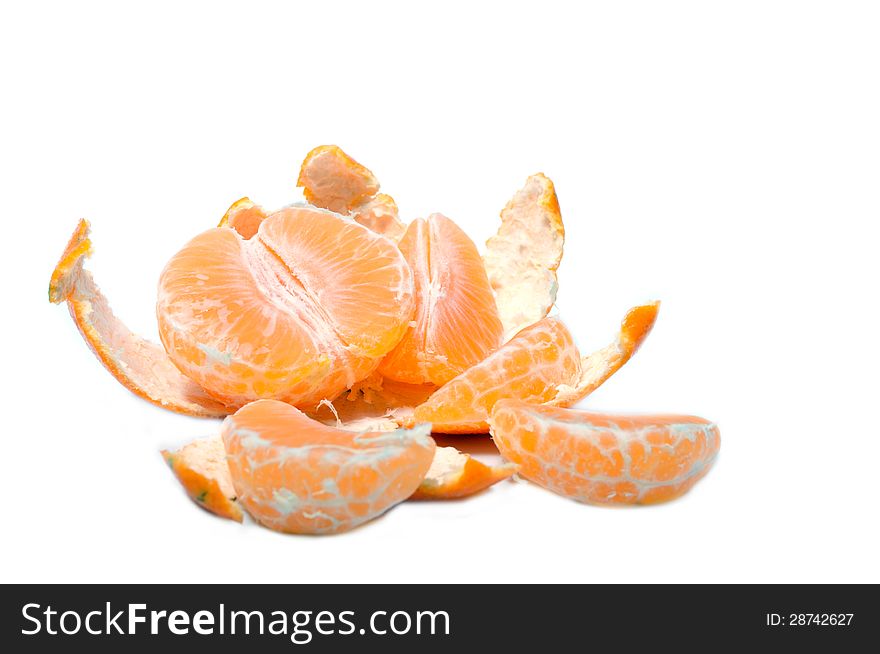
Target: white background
<point x="722" y="157"/>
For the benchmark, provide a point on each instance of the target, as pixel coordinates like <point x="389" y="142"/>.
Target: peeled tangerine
<point x="605" y="459"/>
<point x="540" y="364"/>
<point x="456" y="321"/>
<point x="299" y="312"/>
<point x="296" y="475"/>
<point x="308" y="302"/>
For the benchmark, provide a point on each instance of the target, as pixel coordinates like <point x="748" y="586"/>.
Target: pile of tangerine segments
<point x="335" y="339"/>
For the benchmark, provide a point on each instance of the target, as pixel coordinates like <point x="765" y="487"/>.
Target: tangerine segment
<point x="456" y="322"/>
<point x="530" y="366"/>
<point x="140" y="365"/>
<point x="244" y="217"/>
<point x="454" y="474"/>
<point x="300" y="312"/>
<point x="201" y="468"/>
<point x="523" y="256"/>
<point x="360" y="279"/>
<point x="294" y="474"/>
<point x="604" y="458"/>
<point x="600" y="365"/>
<point x="333" y="180"/>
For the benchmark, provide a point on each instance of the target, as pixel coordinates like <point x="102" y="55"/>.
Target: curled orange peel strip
<point x="244" y="217"/>
<point x="597" y="367"/>
<point x="140" y="365"/>
<point x="454" y="474"/>
<point x="201" y="468"/>
<point x="332" y="180"/>
<point x="521" y="259"/>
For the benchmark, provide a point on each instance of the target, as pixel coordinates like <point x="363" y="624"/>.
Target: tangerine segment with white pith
<point x="605" y="458"/>
<point x="296" y="475"/>
<point x="541" y="364"/>
<point x="300" y="312"/>
<point x="530" y="366"/>
<point x="456" y="322"/>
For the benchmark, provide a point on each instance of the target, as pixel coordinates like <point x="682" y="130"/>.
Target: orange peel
<point x="602" y="458"/>
<point x="454" y="474"/>
<point x="140" y="365"/>
<point x="521" y="259"/>
<point x="244" y="217"/>
<point x="201" y="468"/>
<point x="597" y="367"/>
<point x="332" y="180"/>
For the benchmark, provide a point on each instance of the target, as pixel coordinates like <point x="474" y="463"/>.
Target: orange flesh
<point x="530" y="366"/>
<point x="300" y="312"/>
<point x="540" y="364"/>
<point x="602" y="458"/>
<point x="456" y="322"/>
<point x="140" y="365"/>
<point x="296" y="475"/>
